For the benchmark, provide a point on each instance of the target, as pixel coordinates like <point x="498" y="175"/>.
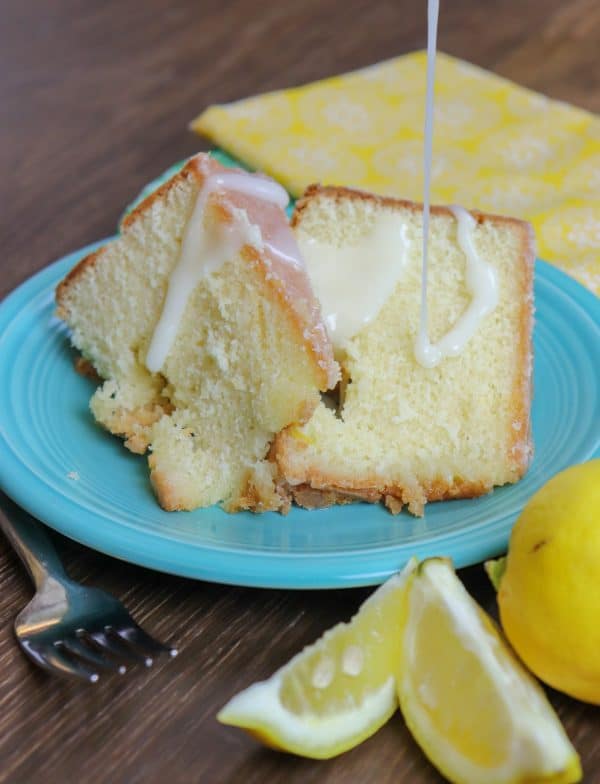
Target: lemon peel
<point x="549" y="596"/>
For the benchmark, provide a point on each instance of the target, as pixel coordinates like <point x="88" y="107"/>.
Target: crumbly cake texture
<point x="250" y="355"/>
<point x="404" y="434"/>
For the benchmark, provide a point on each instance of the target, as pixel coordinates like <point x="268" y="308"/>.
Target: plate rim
<point x="58" y="512"/>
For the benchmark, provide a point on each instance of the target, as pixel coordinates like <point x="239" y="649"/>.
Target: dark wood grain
<point x="95" y="99"/>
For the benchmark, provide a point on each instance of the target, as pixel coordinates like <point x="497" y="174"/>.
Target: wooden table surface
<point x="95" y="99"/>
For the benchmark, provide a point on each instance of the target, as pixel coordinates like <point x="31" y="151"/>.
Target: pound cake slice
<point x="201" y="322"/>
<point x="399" y="431"/>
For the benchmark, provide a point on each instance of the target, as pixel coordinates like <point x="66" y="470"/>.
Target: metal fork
<point x="67" y="628"/>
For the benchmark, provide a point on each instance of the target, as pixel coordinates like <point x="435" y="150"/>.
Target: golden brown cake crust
<point x="316" y="489"/>
<point x="521" y="444"/>
<point x="395" y="497"/>
<point x="338" y="192"/>
<point x="85" y="368"/>
<point x="79" y="269"/>
<point x="261" y="496"/>
<point x="319" y="489"/>
<point x="167" y="495"/>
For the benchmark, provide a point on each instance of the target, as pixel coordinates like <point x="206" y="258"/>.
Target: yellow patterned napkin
<point x="497" y="146"/>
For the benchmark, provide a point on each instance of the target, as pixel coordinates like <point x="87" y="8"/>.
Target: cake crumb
<point x="85" y="368"/>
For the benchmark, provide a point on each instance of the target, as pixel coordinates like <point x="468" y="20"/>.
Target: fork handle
<point x="30" y="542"/>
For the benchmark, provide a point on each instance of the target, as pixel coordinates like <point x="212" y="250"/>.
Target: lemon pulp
<point x="472" y="707"/>
<point x="335" y="693"/>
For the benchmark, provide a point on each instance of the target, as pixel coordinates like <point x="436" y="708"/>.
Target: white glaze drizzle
<point x="433" y="9"/>
<point x="480" y="277"/>
<point x="370" y="270"/>
<point x="482" y="283"/>
<point x="204" y="250"/>
<point x="284" y="246"/>
<point x="251" y="184"/>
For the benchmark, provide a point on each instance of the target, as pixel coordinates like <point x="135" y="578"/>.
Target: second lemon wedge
<point x="335" y="693"/>
<point x="476" y="712"/>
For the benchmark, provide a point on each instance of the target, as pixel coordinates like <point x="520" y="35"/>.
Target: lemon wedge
<point x="335" y="693"/>
<point x="475" y="711"/>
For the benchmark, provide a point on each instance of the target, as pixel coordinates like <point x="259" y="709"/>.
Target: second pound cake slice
<point x="399" y="431"/>
<point x="201" y="321"/>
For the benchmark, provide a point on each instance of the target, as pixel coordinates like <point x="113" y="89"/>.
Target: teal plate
<point x="47" y="432"/>
<point x="56" y="463"/>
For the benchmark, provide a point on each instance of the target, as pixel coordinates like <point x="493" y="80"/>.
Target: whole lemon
<point x="549" y="594"/>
